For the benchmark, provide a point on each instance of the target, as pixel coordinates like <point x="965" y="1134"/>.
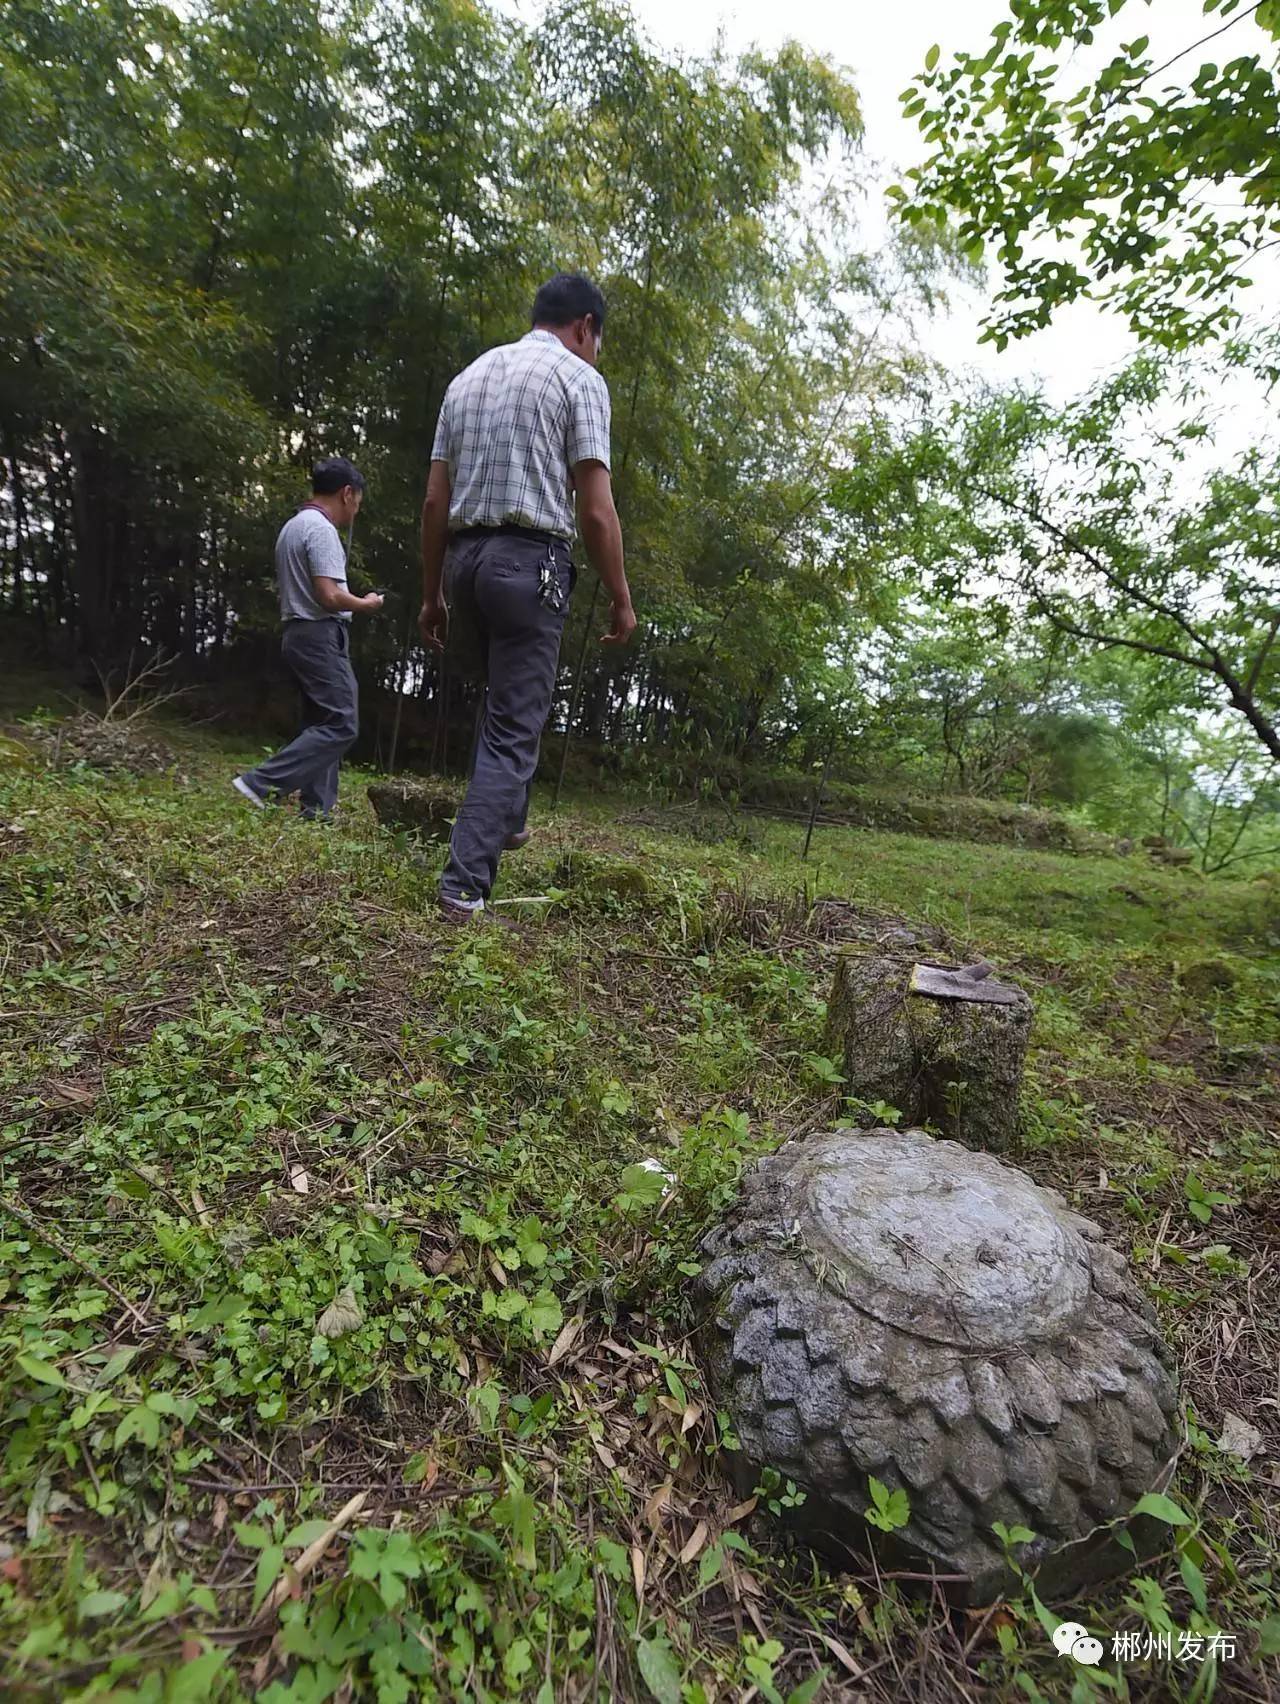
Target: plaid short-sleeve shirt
<point x="512" y="427"/>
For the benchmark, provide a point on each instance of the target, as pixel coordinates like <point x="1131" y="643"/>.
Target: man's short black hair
<point x="333" y="474"/>
<point x="568" y="297"/>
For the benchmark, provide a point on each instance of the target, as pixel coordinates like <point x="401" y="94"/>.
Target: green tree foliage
<point x="1102" y="522"/>
<point x="250" y="232"/>
<point x="245" y="233"/>
<point x="1153" y="184"/>
<point x="964" y="704"/>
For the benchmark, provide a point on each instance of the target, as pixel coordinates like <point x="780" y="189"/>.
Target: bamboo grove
<point x="255" y="231"/>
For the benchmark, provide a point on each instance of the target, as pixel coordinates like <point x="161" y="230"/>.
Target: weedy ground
<point x="314" y="1209"/>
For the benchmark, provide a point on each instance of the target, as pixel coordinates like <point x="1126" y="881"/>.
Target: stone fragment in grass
<point x="955" y="1064"/>
<point x="881" y="1303"/>
<point x="1239" y="1438"/>
<point x="600" y="877"/>
<point x="1163" y="852"/>
<point x="409" y="807"/>
<point x="1207" y="976"/>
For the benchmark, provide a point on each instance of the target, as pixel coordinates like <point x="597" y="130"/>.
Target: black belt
<point x="512" y="531"/>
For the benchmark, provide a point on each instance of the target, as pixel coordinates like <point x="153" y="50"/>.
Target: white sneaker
<point x="246" y="792"/>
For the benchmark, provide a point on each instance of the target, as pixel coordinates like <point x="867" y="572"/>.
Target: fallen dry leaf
<point x="341" y="1316"/>
<point x="740" y="1511"/>
<point x="424" y="1480"/>
<point x="38" y="1508"/>
<point x="290" y="1582"/>
<point x="567" y="1337"/>
<point x="67" y="1093"/>
<point x="696" y="1540"/>
<point x="638" y="1570"/>
<point x="156" y="1581"/>
<point x="191" y="1649"/>
<point x="842" y="1656"/>
<point x="219" y="1512"/>
<point x="857" y="1603"/>
<point x="691" y="1417"/>
<point x="654" y="1507"/>
<point x="299" y="1180"/>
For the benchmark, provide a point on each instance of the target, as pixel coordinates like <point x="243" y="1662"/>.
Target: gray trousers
<point x="318" y="657"/>
<point x="501" y="631"/>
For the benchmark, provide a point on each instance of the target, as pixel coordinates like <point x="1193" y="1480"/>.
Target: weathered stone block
<point x="412" y="808"/>
<point x="952" y="1063"/>
<point x="993" y="1359"/>
<point x="599" y="876"/>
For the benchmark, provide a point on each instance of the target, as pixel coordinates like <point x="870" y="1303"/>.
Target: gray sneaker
<point x="245" y="791"/>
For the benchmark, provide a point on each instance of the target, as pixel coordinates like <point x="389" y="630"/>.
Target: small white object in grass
<point x="652" y="1165"/>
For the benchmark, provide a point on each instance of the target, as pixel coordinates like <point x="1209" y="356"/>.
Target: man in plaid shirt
<point x="522" y="431"/>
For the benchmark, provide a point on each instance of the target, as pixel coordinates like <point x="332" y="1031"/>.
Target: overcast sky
<point x="883" y="47"/>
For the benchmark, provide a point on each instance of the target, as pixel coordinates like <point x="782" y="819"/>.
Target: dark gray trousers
<point x="501" y="631"/>
<point x="318" y="657"/>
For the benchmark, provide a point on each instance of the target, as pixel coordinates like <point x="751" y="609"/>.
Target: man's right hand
<point x="371" y="601"/>
<point x="624" y="624"/>
<point x="433" y="623"/>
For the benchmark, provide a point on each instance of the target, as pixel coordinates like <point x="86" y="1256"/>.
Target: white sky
<point x="883" y="47"/>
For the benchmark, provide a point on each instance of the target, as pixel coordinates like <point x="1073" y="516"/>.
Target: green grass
<point x="305" y="1197"/>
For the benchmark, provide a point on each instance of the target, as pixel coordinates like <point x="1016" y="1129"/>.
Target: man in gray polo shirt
<point x="315" y="607"/>
<point x="522" y="431"/>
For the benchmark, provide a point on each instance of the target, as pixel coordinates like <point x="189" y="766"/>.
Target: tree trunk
<point x="90" y="571"/>
<point x="19" y="517"/>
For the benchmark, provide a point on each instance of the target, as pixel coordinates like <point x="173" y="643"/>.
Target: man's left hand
<point x="623" y="623"/>
<point x="433" y="623"/>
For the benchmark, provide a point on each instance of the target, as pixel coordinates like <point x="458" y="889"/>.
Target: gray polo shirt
<point x="308" y="546"/>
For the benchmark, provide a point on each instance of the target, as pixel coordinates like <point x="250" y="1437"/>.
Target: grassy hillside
<point x="311" y="1205"/>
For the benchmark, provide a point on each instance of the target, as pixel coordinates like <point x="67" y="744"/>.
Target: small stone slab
<point x="409" y="807"/>
<point x="974" y="982"/>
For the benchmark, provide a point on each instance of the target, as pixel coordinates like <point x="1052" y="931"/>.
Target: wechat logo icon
<point x="1070" y="1639"/>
